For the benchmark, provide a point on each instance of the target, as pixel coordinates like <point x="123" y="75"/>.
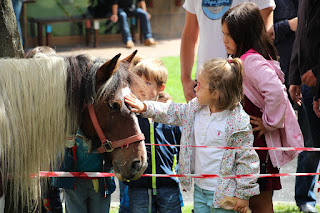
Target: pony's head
<point x="120" y="136"/>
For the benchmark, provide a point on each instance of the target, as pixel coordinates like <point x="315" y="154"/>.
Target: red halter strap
<point x="107" y="145"/>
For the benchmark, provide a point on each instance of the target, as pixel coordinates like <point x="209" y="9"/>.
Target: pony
<point x="45" y="99"/>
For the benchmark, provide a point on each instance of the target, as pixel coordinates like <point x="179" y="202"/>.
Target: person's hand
<point x="316" y="107"/>
<point x="293" y="23"/>
<point x="309" y="79"/>
<point x="241" y="205"/>
<point x="149" y="16"/>
<point x="259" y="125"/>
<point x="114" y="18"/>
<point x="295" y="94"/>
<point x="137" y="105"/>
<point x="188" y="89"/>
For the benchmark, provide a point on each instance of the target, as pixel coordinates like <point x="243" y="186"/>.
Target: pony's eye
<point x="114" y="105"/>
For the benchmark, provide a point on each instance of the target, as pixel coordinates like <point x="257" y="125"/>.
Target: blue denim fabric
<point x="84" y="199"/>
<point x="308" y="161"/>
<point x="124" y="27"/>
<point x="167" y="200"/>
<point x="203" y="201"/>
<point x="124" y="198"/>
<point x="17" y="6"/>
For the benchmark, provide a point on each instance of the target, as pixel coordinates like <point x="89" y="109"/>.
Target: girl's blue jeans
<point x="203" y="202"/>
<point x="308" y="161"/>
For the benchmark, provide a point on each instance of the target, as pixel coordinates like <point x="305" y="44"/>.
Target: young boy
<point x="151" y="194"/>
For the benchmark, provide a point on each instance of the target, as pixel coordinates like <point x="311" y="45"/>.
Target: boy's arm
<point x="246" y="162"/>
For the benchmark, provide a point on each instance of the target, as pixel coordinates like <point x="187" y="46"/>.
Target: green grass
<point x="174" y="86"/>
<point x="288" y="208"/>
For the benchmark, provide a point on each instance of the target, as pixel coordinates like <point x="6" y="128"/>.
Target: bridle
<point x="107" y="145"/>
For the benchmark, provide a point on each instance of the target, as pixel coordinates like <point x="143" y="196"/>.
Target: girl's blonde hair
<point x="226" y="77"/>
<point x="152" y="68"/>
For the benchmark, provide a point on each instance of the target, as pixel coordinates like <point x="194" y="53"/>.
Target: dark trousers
<point x="167" y="200"/>
<point x="307" y="161"/>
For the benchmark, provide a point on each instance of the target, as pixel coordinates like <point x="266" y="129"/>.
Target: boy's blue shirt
<point x="86" y="162"/>
<point x="164" y="155"/>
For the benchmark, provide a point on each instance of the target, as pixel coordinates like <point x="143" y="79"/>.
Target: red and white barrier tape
<point x="247" y="148"/>
<point x="105" y="174"/>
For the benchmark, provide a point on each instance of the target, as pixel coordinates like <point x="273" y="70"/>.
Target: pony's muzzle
<point x="135" y="167"/>
<point x="134" y="170"/>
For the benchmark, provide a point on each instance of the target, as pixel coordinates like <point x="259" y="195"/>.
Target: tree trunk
<point x="10" y="46"/>
<point x="10" y="43"/>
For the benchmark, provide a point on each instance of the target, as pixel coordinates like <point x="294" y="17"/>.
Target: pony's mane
<point x="34" y="121"/>
<point x="80" y="83"/>
<point x="121" y="78"/>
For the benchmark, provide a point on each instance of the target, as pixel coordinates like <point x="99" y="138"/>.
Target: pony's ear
<point x="130" y="57"/>
<point x="107" y="69"/>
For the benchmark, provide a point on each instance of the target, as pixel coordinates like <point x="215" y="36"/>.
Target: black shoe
<point x="308" y="208"/>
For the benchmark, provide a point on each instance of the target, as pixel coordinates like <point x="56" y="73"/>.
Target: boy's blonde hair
<point x="152" y="68"/>
<point x="137" y="59"/>
<point x="164" y="97"/>
<point x="225" y="76"/>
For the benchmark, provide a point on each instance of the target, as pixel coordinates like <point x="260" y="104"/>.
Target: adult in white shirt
<point x="203" y="21"/>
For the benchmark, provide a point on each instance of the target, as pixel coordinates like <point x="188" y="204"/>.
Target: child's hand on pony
<point x="138" y="106"/>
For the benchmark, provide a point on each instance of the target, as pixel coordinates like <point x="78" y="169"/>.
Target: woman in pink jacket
<point x="273" y="119"/>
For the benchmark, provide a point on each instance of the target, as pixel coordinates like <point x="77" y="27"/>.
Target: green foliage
<point x="174" y="86"/>
<point x="60" y="8"/>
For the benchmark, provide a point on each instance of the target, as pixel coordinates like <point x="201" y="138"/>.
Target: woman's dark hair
<point x="247" y="29"/>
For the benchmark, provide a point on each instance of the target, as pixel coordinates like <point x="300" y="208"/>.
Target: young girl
<point x="214" y="118"/>
<point x="266" y="101"/>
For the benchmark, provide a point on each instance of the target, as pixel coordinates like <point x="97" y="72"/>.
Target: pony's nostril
<point x="136" y="165"/>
